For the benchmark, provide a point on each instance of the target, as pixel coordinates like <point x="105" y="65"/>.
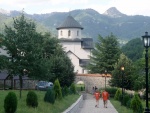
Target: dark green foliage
<point x="126" y="99"/>
<point x="82" y="88"/>
<point x="126" y="75"/>
<point x="111" y="91"/>
<point x="65" y="91"/>
<point x="57" y="89"/>
<point x="118" y="94"/>
<point x="105" y="55"/>
<point x="10" y="103"/>
<point x="32" y="100"/>
<point x="128" y="104"/>
<point x="61" y="68"/>
<point x="73" y="88"/>
<point x="136" y="104"/>
<point x="133" y="49"/>
<point x="50" y="96"/>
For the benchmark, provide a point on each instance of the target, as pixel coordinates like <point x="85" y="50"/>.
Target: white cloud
<point x="130" y="7"/>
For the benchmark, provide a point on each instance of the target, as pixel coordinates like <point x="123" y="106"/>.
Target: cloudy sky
<point x="129" y="7"/>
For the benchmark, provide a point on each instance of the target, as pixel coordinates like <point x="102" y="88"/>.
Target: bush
<point x="136" y="104"/>
<point x="57" y="89"/>
<point x="81" y="88"/>
<point x="10" y="103"/>
<point x="126" y="98"/>
<point x="73" y="88"/>
<point x="111" y="91"/>
<point x="117" y="94"/>
<point x="65" y="91"/>
<point x="50" y="96"/>
<point x="32" y="100"/>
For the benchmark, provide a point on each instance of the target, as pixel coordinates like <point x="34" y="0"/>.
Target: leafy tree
<point x="105" y="55"/>
<point x="133" y="49"/>
<point x="23" y="45"/>
<point x="61" y="68"/>
<point x="127" y="74"/>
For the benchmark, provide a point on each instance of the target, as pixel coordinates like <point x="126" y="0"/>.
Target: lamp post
<point x="122" y="70"/>
<point x="146" y="41"/>
<point x="105" y="78"/>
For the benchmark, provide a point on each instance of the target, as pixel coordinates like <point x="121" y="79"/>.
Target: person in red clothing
<point x="105" y="96"/>
<point x="97" y="97"/>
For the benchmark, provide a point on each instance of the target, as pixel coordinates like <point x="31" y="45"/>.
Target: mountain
<point x="124" y="27"/>
<point x="113" y="12"/>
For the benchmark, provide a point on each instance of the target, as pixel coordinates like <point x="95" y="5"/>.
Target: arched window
<point x="77" y="33"/>
<point x="61" y="33"/>
<point x="69" y="33"/>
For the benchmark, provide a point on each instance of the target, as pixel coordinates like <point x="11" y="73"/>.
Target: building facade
<point x="77" y="48"/>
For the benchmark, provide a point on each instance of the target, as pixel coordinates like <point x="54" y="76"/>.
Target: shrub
<point x="126" y="98"/>
<point x="65" y="91"/>
<point x="117" y="94"/>
<point x="10" y="103"/>
<point x="73" y="88"/>
<point x="57" y="89"/>
<point x="81" y="88"/>
<point x="136" y="104"/>
<point x="111" y="91"/>
<point x="50" y="96"/>
<point x="32" y="100"/>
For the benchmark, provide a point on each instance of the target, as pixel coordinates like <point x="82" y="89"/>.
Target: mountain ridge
<point x="123" y="26"/>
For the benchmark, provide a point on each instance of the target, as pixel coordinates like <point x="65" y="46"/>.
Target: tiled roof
<point x="69" y="22"/>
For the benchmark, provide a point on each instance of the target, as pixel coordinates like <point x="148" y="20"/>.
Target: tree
<point x="23" y="45"/>
<point x="104" y="55"/>
<point x="133" y="49"/>
<point x="61" y="68"/>
<point x="116" y="79"/>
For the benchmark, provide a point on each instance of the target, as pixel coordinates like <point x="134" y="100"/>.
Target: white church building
<point x="77" y="48"/>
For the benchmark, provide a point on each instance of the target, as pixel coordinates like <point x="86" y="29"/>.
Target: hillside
<point x="125" y="27"/>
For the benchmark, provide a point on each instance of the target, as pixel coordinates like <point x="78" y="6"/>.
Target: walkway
<point x="88" y="106"/>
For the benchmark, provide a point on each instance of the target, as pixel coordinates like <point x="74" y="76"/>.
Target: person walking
<point x="97" y="97"/>
<point x="105" y="96"/>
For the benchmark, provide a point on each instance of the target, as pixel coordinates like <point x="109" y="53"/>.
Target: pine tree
<point x="104" y="55"/>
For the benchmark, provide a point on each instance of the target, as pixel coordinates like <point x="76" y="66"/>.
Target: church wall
<point x="63" y="33"/>
<point x="75" y="62"/>
<point x="75" y="47"/>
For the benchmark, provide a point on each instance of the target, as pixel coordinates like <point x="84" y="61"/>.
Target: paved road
<point x="88" y="106"/>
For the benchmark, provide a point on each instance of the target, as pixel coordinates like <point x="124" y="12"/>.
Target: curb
<point x="75" y="106"/>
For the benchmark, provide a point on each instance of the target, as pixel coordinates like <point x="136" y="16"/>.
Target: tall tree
<point x="22" y="43"/>
<point x="104" y="55"/>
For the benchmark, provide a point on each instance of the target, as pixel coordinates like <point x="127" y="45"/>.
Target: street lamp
<point x="105" y="78"/>
<point x="146" y="41"/>
<point x="122" y="69"/>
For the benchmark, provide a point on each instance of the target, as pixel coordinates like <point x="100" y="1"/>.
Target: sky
<point x="129" y="7"/>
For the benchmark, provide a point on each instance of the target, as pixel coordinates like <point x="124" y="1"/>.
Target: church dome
<point x="69" y="22"/>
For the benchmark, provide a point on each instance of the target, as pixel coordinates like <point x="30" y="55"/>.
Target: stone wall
<point x="92" y="80"/>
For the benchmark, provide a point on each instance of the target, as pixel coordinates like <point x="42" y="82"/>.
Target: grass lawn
<point x="119" y="108"/>
<point x="43" y="107"/>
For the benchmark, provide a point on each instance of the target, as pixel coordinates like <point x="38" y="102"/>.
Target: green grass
<point x="43" y="107"/>
<point x="119" y="108"/>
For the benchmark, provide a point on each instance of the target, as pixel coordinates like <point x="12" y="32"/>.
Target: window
<point x="77" y="33"/>
<point x="69" y="33"/>
<point x="61" y="33"/>
<point x="83" y="71"/>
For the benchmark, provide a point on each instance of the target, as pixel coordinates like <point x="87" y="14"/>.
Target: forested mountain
<point x="123" y="26"/>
